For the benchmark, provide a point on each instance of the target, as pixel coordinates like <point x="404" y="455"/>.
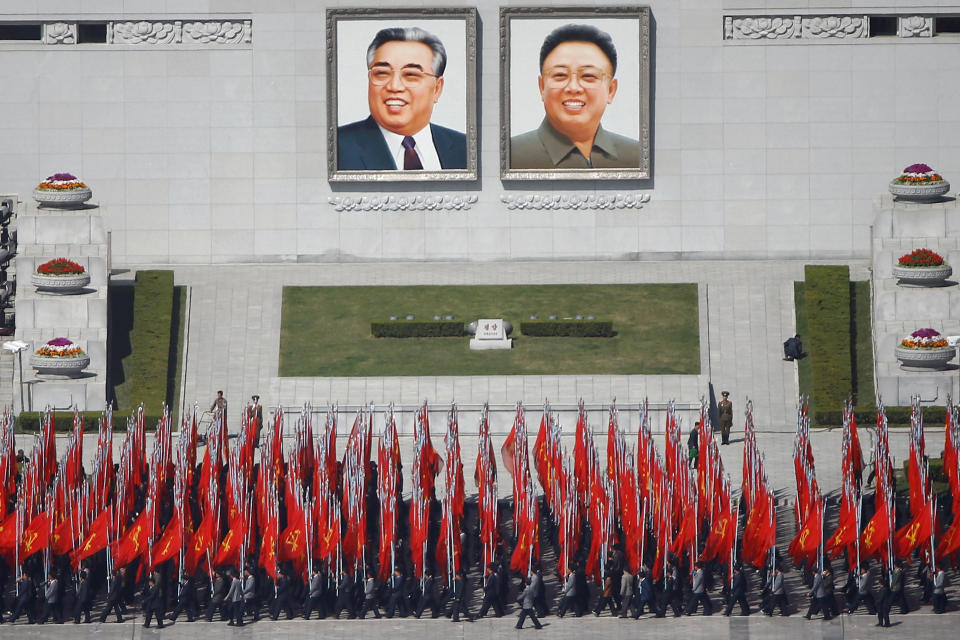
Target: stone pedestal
<point x="44" y="234"/>
<point x="898" y="229"/>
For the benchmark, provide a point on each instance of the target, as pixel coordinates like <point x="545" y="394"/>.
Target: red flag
<point x="36" y="536"/>
<point x="170" y="542"/>
<point x="845" y="535"/>
<point x="950" y="542"/>
<point x="292" y="546"/>
<point x="916" y="532"/>
<point x="268" y="550"/>
<point x="721" y="537"/>
<point x="199" y="544"/>
<point x="8" y="532"/>
<point x="134" y="541"/>
<point x="229" y="552"/>
<point x="875" y="534"/>
<point x="508" y="451"/>
<point x="61" y="541"/>
<point x="688" y="531"/>
<point x="96" y="538"/>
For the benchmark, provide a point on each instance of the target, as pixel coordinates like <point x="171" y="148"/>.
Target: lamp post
<point x="18" y="347"/>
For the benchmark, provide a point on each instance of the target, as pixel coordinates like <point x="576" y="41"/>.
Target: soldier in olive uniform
<point x="725" y="417"/>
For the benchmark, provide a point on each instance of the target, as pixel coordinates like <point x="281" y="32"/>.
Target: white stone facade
<point x="207" y="144"/>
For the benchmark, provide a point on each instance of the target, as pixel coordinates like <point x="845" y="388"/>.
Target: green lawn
<point x="326" y="330"/>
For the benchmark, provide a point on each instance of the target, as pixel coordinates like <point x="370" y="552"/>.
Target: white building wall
<point x="768" y="150"/>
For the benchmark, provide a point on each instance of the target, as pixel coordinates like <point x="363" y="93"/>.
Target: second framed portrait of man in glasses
<point x="402" y="92"/>
<point x="575" y="93"/>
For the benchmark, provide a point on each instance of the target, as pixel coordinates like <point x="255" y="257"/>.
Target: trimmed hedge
<point x="29" y="421"/>
<point x="829" y="340"/>
<point x="567" y="329"/>
<point x="867" y="416"/>
<point x="417" y="329"/>
<point x="151" y="338"/>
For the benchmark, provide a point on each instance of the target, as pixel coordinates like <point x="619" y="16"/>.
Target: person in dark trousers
<point x="251" y="603"/>
<point x="114" y="595"/>
<point x="235" y="598"/>
<point x="539" y="592"/>
<point x="884" y="601"/>
<point x="491" y="593"/>
<point x="693" y="445"/>
<point x="396" y="604"/>
<point x="220" y="589"/>
<point x="25" y="598"/>
<point x="672" y="592"/>
<point x="582" y="601"/>
<point x="939" y="583"/>
<point x="606" y="597"/>
<point x="84" y="598"/>
<point x="698" y="592"/>
<point x="569" y="593"/>
<point x="793" y="349"/>
<point x="153" y="604"/>
<point x="282" y="601"/>
<point x="427" y="597"/>
<point x="829" y="594"/>
<point x="643" y="594"/>
<point x="778" y="593"/>
<point x="345" y="596"/>
<point x="186" y="600"/>
<point x="315" y="596"/>
<point x="456" y="598"/>
<point x="897" y="592"/>
<point x="527" y="609"/>
<point x="51" y="601"/>
<point x="738" y="593"/>
<point x="817" y="596"/>
<point x="369" y="596"/>
<point x="864" y="593"/>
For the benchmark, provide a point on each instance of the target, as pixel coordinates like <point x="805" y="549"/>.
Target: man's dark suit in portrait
<point x="405" y="68"/>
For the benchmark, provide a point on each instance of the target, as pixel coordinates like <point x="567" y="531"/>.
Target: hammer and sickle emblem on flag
<point x="136" y="539"/>
<point x="90" y="541"/>
<point x="868" y="539"/>
<point x="31" y="539"/>
<point x="294" y="540"/>
<point x="803" y="536"/>
<point x="912" y="533"/>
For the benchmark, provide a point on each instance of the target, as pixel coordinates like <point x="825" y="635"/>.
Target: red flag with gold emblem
<point x="916" y="532"/>
<point x="229" y="551"/>
<point x="134" y="541"/>
<point x="292" y="541"/>
<point x="845" y="535"/>
<point x="36" y="536"/>
<point x="199" y="544"/>
<point x="170" y="542"/>
<point x="875" y="534"/>
<point x="96" y="538"/>
<point x="61" y="540"/>
<point x="268" y="549"/>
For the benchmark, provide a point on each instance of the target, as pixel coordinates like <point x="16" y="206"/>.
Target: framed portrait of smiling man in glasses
<point x="575" y="96"/>
<point x="402" y="94"/>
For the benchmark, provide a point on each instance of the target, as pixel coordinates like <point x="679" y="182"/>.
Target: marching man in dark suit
<point x="405" y="68"/>
<point x="153" y="604"/>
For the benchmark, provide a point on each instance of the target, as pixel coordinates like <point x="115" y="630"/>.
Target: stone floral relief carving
<point x="145" y="32"/>
<point x="403" y="203"/>
<point x="59" y="33"/>
<point x="835" y="27"/>
<point x="762" y="27"/>
<point x="916" y="27"/>
<point x="220" y="32"/>
<point x="574" y="202"/>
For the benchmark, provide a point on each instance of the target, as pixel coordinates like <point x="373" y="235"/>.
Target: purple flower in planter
<point x="925" y="333"/>
<point x="62" y="177"/>
<point x="59" y="342"/>
<point x="918" y="168"/>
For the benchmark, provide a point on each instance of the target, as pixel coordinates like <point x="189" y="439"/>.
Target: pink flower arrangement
<point x="924" y="339"/>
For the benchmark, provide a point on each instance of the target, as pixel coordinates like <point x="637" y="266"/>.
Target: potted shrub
<point x="919" y="182"/>
<point x="925" y="349"/>
<point x="922" y="267"/>
<point x="62" y="190"/>
<point x="60" y="275"/>
<point x="60" y="356"/>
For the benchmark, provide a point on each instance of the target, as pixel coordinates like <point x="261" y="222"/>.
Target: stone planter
<point x="922" y="276"/>
<point x="59" y="366"/>
<point x="60" y="284"/>
<point x="925" y="358"/>
<point x="919" y="192"/>
<point x="66" y="199"/>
